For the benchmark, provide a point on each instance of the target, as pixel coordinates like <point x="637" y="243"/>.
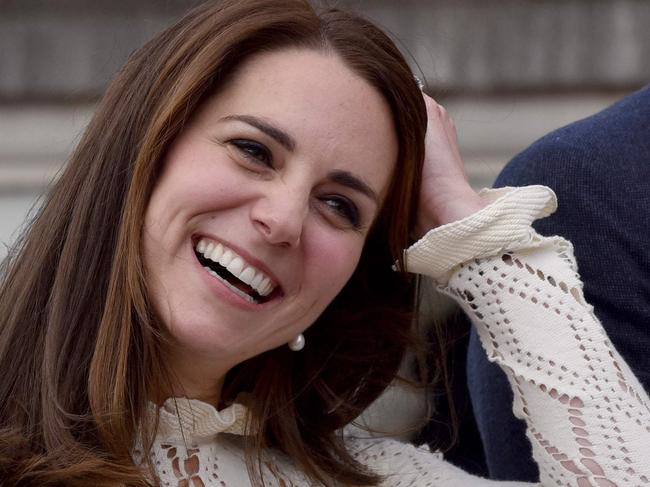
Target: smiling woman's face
<point x="265" y="200"/>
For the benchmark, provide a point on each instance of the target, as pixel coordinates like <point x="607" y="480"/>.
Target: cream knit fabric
<point x="587" y="415"/>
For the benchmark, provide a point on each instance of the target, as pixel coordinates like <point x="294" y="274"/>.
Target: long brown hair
<point x="80" y="346"/>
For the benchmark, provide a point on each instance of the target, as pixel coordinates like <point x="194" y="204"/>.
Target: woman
<point x="247" y="181"/>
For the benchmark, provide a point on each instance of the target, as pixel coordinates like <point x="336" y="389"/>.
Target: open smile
<point x="238" y="275"/>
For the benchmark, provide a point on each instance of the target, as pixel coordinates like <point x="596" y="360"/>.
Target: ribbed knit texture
<point x="586" y="413"/>
<point x="505" y="223"/>
<point x="180" y="415"/>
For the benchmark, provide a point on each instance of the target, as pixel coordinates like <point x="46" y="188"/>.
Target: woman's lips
<point x="226" y="260"/>
<point x="229" y="291"/>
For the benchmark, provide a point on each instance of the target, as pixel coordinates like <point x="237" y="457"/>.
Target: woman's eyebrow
<point x="338" y="176"/>
<point x="348" y="179"/>
<point x="283" y="138"/>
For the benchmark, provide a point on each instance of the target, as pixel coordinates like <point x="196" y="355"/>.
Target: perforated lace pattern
<point x="587" y="415"/>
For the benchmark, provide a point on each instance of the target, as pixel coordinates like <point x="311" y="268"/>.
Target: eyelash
<point x="344" y="208"/>
<point x="247" y="147"/>
<point x="260" y="154"/>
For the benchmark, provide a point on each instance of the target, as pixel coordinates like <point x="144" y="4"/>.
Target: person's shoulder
<point x="591" y="146"/>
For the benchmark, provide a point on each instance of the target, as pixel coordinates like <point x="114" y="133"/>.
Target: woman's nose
<point x="280" y="216"/>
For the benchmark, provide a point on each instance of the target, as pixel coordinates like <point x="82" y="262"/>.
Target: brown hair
<point x="80" y="346"/>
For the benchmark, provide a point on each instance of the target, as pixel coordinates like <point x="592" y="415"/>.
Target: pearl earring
<point x="297" y="343"/>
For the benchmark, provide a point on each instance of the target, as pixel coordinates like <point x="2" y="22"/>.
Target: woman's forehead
<point x="328" y="111"/>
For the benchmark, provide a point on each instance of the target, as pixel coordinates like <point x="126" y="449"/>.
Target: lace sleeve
<point x="586" y="413"/>
<point x="404" y="465"/>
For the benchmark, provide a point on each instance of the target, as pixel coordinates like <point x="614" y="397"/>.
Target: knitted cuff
<point x="504" y="224"/>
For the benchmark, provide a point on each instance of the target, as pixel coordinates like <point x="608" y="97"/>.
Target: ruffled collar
<point x="192" y="419"/>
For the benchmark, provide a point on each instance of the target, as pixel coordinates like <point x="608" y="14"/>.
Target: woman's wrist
<point x="453" y="209"/>
<point x="464" y="206"/>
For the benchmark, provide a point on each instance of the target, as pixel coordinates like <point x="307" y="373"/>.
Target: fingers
<point x="437" y="111"/>
<point x="441" y="123"/>
<point x="450" y="126"/>
<point x="445" y="194"/>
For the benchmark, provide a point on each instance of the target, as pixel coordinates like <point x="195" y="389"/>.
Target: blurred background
<point x="507" y="70"/>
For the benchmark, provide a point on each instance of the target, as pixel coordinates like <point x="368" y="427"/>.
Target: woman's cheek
<point x="337" y="259"/>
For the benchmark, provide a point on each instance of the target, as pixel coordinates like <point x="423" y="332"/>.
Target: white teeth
<point x="226" y="258"/>
<point x="236" y="265"/>
<point x="217" y="253"/>
<point x="259" y="277"/>
<point x="241" y="293"/>
<point x="247" y="275"/>
<point x="264" y="287"/>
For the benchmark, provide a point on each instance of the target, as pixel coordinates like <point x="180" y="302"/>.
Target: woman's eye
<point x="343" y="208"/>
<point x="254" y="151"/>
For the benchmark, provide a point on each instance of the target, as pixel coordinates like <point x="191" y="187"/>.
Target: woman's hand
<point x="446" y="195"/>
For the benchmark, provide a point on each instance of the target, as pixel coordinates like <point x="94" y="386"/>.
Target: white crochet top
<point x="587" y="415"/>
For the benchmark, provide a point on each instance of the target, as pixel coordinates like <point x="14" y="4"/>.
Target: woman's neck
<point x="192" y="378"/>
